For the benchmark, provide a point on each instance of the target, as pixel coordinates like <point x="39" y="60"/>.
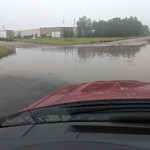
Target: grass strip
<point x="72" y="41"/>
<point x="4" y="51"/>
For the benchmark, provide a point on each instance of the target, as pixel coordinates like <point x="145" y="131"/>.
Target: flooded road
<point x="80" y="64"/>
<point x="33" y="72"/>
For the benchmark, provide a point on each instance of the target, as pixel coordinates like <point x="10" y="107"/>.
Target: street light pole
<point x="93" y="31"/>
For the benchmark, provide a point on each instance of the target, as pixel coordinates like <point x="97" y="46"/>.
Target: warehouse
<point x="58" y="32"/>
<point x="53" y="32"/>
<point x="32" y="33"/>
<point x="63" y="32"/>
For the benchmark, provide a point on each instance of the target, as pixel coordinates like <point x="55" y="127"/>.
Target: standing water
<point x="80" y="64"/>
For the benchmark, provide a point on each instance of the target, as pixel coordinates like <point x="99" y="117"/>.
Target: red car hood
<point x="99" y="90"/>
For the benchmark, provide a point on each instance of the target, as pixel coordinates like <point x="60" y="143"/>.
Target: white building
<point x="53" y="32"/>
<point x="33" y="33"/>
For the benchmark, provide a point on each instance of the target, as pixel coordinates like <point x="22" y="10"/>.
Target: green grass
<point x="70" y="41"/>
<point x="4" y="51"/>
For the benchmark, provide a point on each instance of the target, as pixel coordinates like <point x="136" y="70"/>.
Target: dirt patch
<point x="14" y="45"/>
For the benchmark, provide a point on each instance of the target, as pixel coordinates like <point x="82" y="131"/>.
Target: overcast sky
<point x="30" y="14"/>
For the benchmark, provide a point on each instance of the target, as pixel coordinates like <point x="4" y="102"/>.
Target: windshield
<point x="49" y="45"/>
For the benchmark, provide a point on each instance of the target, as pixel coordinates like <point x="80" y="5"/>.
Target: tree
<point x="100" y="28"/>
<point x="112" y="28"/>
<point x="146" y="30"/>
<point x="68" y="33"/>
<point x="84" y="27"/>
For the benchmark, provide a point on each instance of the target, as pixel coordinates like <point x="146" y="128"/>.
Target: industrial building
<point x="28" y="33"/>
<point x="53" y="32"/>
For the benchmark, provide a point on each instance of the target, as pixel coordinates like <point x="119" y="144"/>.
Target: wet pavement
<point x="17" y="92"/>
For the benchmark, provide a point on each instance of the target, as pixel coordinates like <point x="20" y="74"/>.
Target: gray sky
<point x="28" y="14"/>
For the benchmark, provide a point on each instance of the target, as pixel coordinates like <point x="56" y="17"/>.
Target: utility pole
<point x="74" y="22"/>
<point x="63" y="22"/>
<point x="93" y="31"/>
<point x="74" y="30"/>
<point x="3" y="27"/>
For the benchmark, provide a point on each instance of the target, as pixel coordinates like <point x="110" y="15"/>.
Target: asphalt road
<point x="17" y="92"/>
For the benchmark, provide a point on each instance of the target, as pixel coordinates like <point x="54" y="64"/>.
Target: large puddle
<point x="79" y="64"/>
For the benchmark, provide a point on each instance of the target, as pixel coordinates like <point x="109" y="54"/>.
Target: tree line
<point x="115" y="27"/>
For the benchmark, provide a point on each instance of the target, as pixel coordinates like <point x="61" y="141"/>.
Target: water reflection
<point x="112" y="52"/>
<point x="86" y="53"/>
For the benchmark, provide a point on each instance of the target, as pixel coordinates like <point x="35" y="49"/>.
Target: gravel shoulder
<point x="129" y="42"/>
<point x="14" y="45"/>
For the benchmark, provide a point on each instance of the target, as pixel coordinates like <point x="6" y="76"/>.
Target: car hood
<point x="99" y="90"/>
